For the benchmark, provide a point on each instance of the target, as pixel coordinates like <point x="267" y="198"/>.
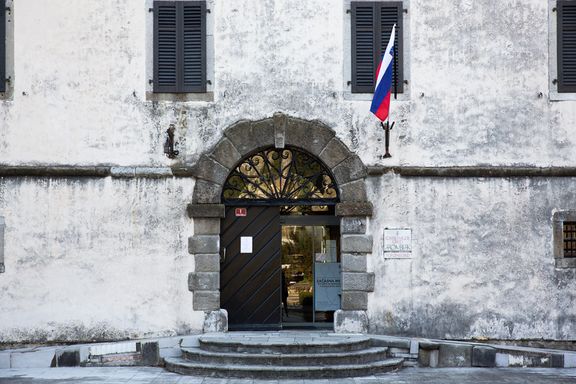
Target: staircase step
<point x="364" y="356"/>
<point x="279" y="346"/>
<point x="187" y="367"/>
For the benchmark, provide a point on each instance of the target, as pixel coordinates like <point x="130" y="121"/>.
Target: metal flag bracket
<point x="387" y="128"/>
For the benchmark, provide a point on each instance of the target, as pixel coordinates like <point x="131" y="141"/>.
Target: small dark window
<point x="2" y="46"/>
<point x="569" y="237"/>
<point x="179" y="46"/>
<point x="564" y="234"/>
<point x="566" y="45"/>
<point x="371" y="27"/>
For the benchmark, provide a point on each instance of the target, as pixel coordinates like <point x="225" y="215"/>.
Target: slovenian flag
<point x="381" y="100"/>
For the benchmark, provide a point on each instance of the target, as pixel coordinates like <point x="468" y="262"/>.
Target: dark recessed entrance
<point x="280" y="251"/>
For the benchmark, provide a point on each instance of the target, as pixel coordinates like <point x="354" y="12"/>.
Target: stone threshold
<point x="421" y="352"/>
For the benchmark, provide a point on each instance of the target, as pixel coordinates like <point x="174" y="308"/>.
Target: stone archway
<point x="211" y="172"/>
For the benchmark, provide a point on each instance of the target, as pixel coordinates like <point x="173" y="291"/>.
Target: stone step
<point x="186" y="367"/>
<point x="364" y="356"/>
<point x="284" y="346"/>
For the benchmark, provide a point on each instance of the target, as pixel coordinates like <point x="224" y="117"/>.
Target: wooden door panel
<point x="250" y="282"/>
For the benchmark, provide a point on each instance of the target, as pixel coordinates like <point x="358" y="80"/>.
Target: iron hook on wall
<point x="169" y="144"/>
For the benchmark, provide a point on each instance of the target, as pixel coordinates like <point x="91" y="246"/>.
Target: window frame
<point x="558" y="220"/>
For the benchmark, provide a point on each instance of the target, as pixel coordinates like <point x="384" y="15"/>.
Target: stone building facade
<point x="106" y="237"/>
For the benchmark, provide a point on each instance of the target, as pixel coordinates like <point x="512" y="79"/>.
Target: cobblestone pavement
<point x="406" y="376"/>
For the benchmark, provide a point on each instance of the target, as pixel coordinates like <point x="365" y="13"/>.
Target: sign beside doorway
<point x="241" y="212"/>
<point x="327" y="286"/>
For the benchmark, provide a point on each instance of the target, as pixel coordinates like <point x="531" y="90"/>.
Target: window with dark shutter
<point x="179" y="46"/>
<point x="566" y="45"/>
<point x="371" y="27"/>
<point x="2" y="46"/>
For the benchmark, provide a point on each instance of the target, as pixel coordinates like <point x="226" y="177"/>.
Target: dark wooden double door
<point x="250" y="268"/>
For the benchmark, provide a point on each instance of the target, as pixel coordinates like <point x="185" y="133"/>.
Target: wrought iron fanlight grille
<point x="278" y="177"/>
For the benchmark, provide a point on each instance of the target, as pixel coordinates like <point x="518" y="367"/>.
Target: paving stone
<point x="353" y="225"/>
<point x="203" y="244"/>
<point x="483" y="357"/>
<point x="334" y="153"/>
<point x="226" y="154"/>
<point x="149" y="375"/>
<point x="203" y="281"/>
<point x="206" y="226"/>
<point x="353" y="263"/>
<point x="455" y="355"/>
<point x="206" y="192"/>
<point x="207" y="262"/>
<point x="357" y="243"/>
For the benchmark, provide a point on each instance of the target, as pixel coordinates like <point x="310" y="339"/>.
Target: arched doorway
<point x="347" y="205"/>
<point x="280" y="260"/>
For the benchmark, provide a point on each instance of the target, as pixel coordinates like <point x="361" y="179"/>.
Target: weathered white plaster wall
<point x="95" y="259"/>
<point x="476" y="68"/>
<point x="482" y="262"/>
<point x="108" y="257"/>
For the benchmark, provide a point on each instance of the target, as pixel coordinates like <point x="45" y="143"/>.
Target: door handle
<point x="223" y="256"/>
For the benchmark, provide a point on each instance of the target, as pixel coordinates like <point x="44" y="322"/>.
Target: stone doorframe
<point x="206" y="209"/>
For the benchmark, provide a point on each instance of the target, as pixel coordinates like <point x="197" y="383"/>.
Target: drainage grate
<point x="569" y="230"/>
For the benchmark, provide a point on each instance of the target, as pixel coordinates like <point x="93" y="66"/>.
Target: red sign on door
<point x="241" y="212"/>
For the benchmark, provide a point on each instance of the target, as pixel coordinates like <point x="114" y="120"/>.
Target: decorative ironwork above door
<point x="287" y="176"/>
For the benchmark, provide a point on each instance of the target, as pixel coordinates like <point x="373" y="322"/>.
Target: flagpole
<point x="395" y="72"/>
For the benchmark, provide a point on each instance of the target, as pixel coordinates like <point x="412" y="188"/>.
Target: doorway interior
<point x="310" y="256"/>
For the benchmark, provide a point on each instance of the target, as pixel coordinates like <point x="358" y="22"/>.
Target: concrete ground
<point x="147" y="375"/>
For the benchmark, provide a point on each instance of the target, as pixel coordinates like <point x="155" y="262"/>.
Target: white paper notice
<point x="245" y="244"/>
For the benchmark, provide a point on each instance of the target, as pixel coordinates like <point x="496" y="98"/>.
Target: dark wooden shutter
<point x="2" y="46"/>
<point x="390" y="14"/>
<point x="194" y="47"/>
<point x="179" y="46"/>
<point x="566" y="46"/>
<point x="371" y="26"/>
